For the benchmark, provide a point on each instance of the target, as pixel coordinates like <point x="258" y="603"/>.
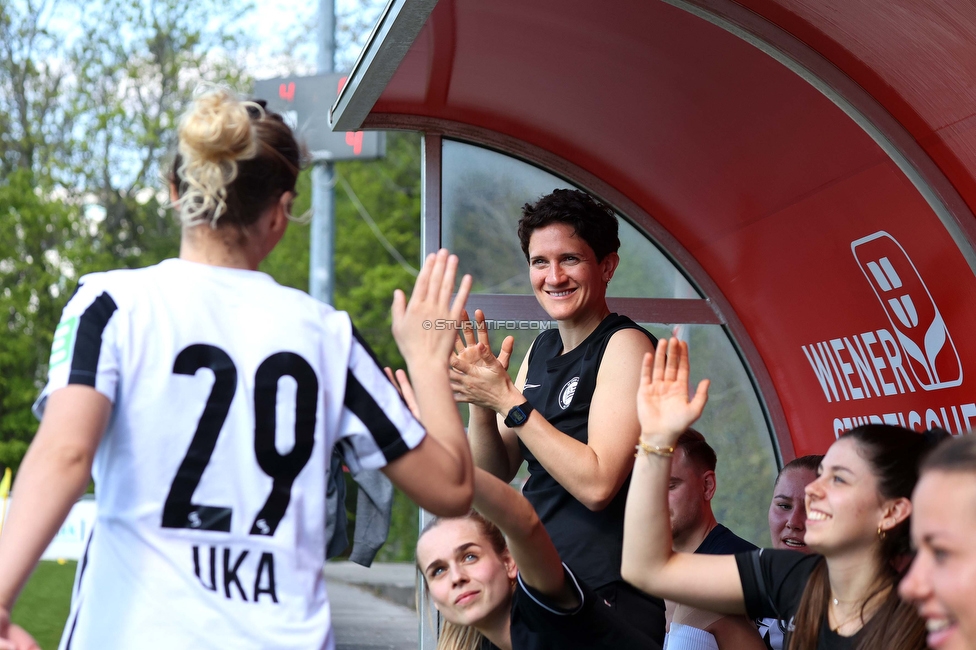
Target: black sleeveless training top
<point x="561" y="387"/>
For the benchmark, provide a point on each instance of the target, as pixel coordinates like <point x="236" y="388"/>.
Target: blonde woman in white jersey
<point x="205" y="400"/>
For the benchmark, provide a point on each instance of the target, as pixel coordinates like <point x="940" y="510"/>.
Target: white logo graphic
<point x="917" y="322"/>
<point x="528" y="386"/>
<point x="566" y="394"/>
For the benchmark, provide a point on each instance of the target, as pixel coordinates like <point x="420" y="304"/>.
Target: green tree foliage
<point x="37" y="239"/>
<point x="367" y="274"/>
<point x="136" y="67"/>
<point x="387" y="192"/>
<point x="33" y="120"/>
<point x="87" y="113"/>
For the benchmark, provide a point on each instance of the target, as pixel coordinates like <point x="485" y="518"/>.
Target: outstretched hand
<point x="663" y="405"/>
<point x="425" y="327"/>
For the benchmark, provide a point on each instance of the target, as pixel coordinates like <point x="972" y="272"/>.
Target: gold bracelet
<point x="644" y="449"/>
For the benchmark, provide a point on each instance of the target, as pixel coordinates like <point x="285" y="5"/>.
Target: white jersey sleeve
<point x="376" y="426"/>
<point x="84" y="350"/>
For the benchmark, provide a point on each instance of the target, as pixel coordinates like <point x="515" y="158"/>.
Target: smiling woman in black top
<point x="569" y="412"/>
<point x="857" y="521"/>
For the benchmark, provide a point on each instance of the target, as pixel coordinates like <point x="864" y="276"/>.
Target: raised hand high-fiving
<point x="663" y="405"/>
<point x="426" y="326"/>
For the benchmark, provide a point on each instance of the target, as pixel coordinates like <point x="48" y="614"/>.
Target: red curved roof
<point x="773" y="140"/>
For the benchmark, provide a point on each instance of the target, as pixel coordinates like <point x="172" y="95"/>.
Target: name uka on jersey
<point x="224" y="570"/>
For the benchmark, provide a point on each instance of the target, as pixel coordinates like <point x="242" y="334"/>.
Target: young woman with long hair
<point x="841" y="597"/>
<point x="205" y="401"/>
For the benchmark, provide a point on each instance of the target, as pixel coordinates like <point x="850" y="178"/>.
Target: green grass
<point x="44" y="604"/>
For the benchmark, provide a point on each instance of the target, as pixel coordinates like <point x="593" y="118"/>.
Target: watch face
<point x="517" y="416"/>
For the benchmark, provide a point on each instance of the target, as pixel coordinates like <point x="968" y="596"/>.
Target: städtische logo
<point x="566" y="394"/>
<point x="918" y="324"/>
<point x="917" y="350"/>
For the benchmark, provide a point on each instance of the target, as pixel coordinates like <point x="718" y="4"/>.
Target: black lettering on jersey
<point x="88" y="341"/>
<point x="213" y="567"/>
<point x="265" y="567"/>
<point x="178" y="511"/>
<point x="237" y="568"/>
<point x="230" y="573"/>
<point x="284" y="469"/>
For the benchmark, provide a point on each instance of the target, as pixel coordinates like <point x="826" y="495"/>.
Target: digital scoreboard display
<point x="304" y="102"/>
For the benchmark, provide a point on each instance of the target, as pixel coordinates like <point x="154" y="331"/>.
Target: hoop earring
<point x="881" y="533"/>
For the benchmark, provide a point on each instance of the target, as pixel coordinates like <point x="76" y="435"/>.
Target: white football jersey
<point x="229" y="392"/>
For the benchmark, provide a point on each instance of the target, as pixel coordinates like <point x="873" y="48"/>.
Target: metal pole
<point x="431" y="239"/>
<point x="321" y="281"/>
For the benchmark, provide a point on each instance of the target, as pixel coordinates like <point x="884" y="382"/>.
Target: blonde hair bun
<point x="214" y="134"/>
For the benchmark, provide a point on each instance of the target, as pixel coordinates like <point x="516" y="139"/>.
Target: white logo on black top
<point x="528" y="386"/>
<point x="566" y="394"/>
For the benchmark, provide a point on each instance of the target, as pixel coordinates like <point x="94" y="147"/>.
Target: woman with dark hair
<point x="205" y="401"/>
<point x="941" y="583"/>
<point x="841" y="597"/>
<point x="569" y="412"/>
<point x="787" y="525"/>
<point x="787" y="509"/>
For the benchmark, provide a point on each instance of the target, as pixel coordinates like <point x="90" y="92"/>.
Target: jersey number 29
<point x="179" y="511"/>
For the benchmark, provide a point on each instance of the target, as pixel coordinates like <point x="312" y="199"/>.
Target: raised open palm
<point x="424" y="326"/>
<point x="663" y="405"/>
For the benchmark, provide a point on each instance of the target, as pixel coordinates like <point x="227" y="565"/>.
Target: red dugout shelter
<point x="809" y="166"/>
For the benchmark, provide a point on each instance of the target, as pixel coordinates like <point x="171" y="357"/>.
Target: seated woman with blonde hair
<point x="514" y="596"/>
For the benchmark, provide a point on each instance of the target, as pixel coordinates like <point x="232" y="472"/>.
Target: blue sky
<point x="295" y="22"/>
<point x="285" y="32"/>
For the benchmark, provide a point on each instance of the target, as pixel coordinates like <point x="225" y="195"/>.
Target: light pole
<point x="321" y="281"/>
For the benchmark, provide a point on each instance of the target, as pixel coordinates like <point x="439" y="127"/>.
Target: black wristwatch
<point x="518" y="415"/>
